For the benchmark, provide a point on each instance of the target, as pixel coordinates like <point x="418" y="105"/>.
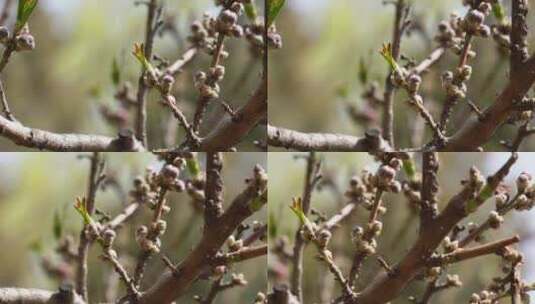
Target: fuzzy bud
<point x="495" y="220"/>
<point x="108" y="237"/>
<point x="523" y="181"/>
<point x="324" y="237"/>
<point x="25" y="42"/>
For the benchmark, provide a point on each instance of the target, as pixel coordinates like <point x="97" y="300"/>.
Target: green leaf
<point x="193" y="166"/>
<point x="386" y="52"/>
<point x="24" y="12"/>
<point x="139" y="53"/>
<point x="115" y="72"/>
<point x="80" y="206"/>
<point x="363" y="71"/>
<point x="297" y="208"/>
<point x="498" y="11"/>
<point x="409" y="168"/>
<point x="274" y="9"/>
<point x="57" y="227"/>
<point x="250" y="11"/>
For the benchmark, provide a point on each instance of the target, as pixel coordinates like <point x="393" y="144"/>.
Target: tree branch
<point x="294" y="140"/>
<point x="44" y="140"/>
<point x="477" y="131"/>
<point x="38" y="296"/>
<point x="231" y="130"/>
<point x="171" y="285"/>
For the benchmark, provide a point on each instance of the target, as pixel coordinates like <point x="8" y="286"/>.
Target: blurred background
<point x="65" y="83"/>
<point x="37" y="189"/>
<point x="400" y="228"/>
<point x="314" y="79"/>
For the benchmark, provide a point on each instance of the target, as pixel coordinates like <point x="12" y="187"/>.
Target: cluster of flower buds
<point x="432" y="273"/>
<point x="149" y="239"/>
<point x="455" y="83"/>
<point x="233" y="244"/>
<point x="203" y="33"/>
<point x="501" y="34"/>
<point x="259" y="181"/>
<point x="169" y="176"/>
<point x="449" y="245"/>
<point x="260" y="298"/>
<point x="385" y="176"/>
<point x="274" y="38"/>
<point x="356" y="190"/>
<point x="495" y="220"/>
<point x="473" y="24"/>
<point x="208" y="83"/>
<point x="363" y="244"/>
<point x="23" y="41"/>
<point x="484" y="297"/>
<point x="142" y="191"/>
<point x="450" y="34"/>
<point x="476" y="180"/>
<point x="227" y="21"/>
<point x="510" y="256"/>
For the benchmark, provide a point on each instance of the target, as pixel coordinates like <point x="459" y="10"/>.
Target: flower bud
<point x="25" y="42"/>
<point x="495" y="220"/>
<point x="523" y="181"/>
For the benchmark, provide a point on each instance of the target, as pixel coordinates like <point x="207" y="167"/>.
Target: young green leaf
<point x="274" y="8"/>
<point x="297" y="208"/>
<point x="80" y="206"/>
<point x="25" y="9"/>
<point x="250" y="11"/>
<point x="139" y="53"/>
<point x="115" y="72"/>
<point x="386" y="52"/>
<point x="193" y="166"/>
<point x="57" y="225"/>
<point x="409" y="168"/>
<point x="498" y="11"/>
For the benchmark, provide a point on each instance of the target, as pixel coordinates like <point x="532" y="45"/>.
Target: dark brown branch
<point x="386" y="286"/>
<point x="213" y="205"/>
<point x="477" y="131"/>
<point x="231" y="130"/>
<point x="519" y="33"/>
<point x="171" y="285"/>
<point x="469" y="253"/>
<point x="429" y="208"/>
